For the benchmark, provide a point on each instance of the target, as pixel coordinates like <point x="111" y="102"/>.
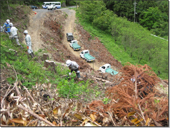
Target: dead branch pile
<point x="136" y="98"/>
<point x="134" y="102"/>
<point x="129" y="106"/>
<point x="19" y="107"/>
<point x="38" y="107"/>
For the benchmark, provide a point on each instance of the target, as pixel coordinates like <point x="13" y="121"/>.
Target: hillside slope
<point x="36" y="94"/>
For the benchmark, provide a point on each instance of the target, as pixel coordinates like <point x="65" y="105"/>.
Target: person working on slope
<point x="28" y="42"/>
<point x="6" y="26"/>
<point x="13" y="34"/>
<point x="73" y="66"/>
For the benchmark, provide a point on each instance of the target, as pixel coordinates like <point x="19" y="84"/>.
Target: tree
<point x="91" y="10"/>
<point x="147" y="12"/>
<point x="103" y="22"/>
<point x="150" y="18"/>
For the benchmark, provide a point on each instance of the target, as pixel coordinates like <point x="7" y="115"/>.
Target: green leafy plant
<point x="106" y="100"/>
<point x="97" y="93"/>
<point x="156" y="101"/>
<point x="70" y="89"/>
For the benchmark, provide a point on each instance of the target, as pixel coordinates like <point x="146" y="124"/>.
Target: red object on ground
<point x="35" y="13"/>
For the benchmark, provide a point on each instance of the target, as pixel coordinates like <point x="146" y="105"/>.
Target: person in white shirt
<point x="14" y="35"/>
<point x="73" y="66"/>
<point x="28" y="42"/>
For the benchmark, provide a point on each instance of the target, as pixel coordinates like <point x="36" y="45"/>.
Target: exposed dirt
<point x="38" y="28"/>
<point x="70" y="27"/>
<point x="53" y="39"/>
<point x="49" y="33"/>
<point x="35" y="28"/>
<point x="94" y="45"/>
<point x="97" y="49"/>
<point x="56" y="44"/>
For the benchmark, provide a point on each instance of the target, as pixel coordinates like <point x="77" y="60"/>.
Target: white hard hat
<point x="11" y="24"/>
<point x="68" y="63"/>
<point x="8" y="21"/>
<point x="25" y="31"/>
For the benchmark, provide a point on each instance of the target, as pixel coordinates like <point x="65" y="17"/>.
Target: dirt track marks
<point x="70" y="26"/>
<point x="36" y="26"/>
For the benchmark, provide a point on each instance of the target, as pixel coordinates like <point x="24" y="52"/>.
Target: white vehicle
<point x="51" y="7"/>
<point x="56" y="4"/>
<point x="85" y="54"/>
<point x="75" y="45"/>
<point x="107" y="69"/>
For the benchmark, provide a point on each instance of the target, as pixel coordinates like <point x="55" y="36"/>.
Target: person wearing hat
<point x="14" y="35"/>
<point x="28" y="42"/>
<point x="6" y="26"/>
<point x="73" y="66"/>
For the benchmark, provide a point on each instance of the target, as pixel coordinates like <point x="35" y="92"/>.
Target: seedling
<point x="97" y="94"/>
<point x="106" y="100"/>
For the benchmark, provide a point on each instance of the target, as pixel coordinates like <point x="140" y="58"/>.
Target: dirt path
<point x="35" y="28"/>
<point x="36" y="21"/>
<point x="70" y="28"/>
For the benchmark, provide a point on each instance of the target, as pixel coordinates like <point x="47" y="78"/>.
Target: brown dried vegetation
<point x="132" y="103"/>
<point x="20" y="107"/>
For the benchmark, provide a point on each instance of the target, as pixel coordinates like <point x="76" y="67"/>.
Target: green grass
<point x="107" y="40"/>
<point x="116" y="48"/>
<point x="30" y="72"/>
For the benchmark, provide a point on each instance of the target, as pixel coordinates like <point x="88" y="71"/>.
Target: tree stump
<point x="50" y="64"/>
<point x="45" y="56"/>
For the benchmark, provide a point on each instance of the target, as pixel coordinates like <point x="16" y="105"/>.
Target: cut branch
<point x="15" y="73"/>
<point x="141" y="113"/>
<point x="33" y="99"/>
<point x="37" y="116"/>
<point x="112" y="119"/>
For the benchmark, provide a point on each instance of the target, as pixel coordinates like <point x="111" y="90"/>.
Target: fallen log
<point x="100" y="79"/>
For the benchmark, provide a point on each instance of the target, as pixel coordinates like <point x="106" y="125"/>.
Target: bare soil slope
<point x="38" y="28"/>
<point x="35" y="28"/>
<point x="48" y="30"/>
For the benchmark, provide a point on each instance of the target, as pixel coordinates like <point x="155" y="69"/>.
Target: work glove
<point x="69" y="73"/>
